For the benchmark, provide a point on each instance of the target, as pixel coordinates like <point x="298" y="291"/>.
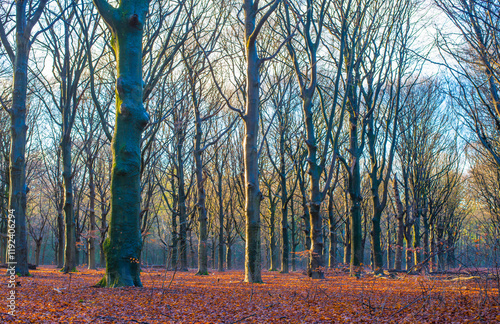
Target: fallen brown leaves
<point x="52" y="297"/>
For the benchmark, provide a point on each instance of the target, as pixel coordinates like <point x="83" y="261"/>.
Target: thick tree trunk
<point x="18" y="131"/>
<point x="123" y="246"/>
<point x="378" y="263"/>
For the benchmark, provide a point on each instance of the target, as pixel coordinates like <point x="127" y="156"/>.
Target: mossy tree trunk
<point x="123" y="246"/>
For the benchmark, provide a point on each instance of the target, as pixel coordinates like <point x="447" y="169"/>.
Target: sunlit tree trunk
<point x="253" y="196"/>
<point x="69" y="217"/>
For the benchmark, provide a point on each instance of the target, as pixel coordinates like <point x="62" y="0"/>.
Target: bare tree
<point x="27" y="17"/>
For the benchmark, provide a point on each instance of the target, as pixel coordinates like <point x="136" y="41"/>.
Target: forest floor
<point x="222" y="297"/>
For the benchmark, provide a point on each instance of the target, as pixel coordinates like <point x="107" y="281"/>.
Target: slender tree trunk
<point x="38" y="248"/>
<point x="401" y="227"/>
<point x="123" y="246"/>
<point x="416" y="238"/>
<point x="92" y="223"/>
<point x="253" y="195"/>
<point x="201" y="207"/>
<point x="389" y="243"/>
<point x="174" y="246"/>
<point x="433" y="249"/>
<point x="292" y="235"/>
<point x="450" y="253"/>
<point x="355" y="196"/>
<point x="273" y="235"/>
<point x="229" y="252"/>
<point x="60" y="237"/>
<point x="285" y="245"/>
<point x="213" y="252"/>
<point x="347" y="244"/>
<point x="220" y="266"/>
<point x="182" y="204"/>
<point x="102" y="256"/>
<point x="306" y="218"/>
<point x="440" y="243"/>
<point x="191" y="251"/>
<point x="426" y="238"/>
<point x="409" y="253"/>
<point x="69" y="217"/>
<point x="377" y="205"/>
<point x="333" y="235"/>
